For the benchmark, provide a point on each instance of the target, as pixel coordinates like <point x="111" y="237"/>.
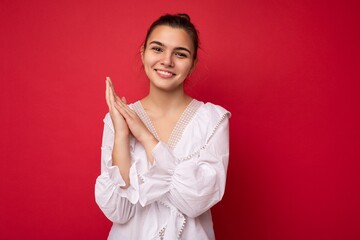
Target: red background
<point x="287" y="70"/>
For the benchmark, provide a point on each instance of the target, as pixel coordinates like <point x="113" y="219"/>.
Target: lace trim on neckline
<point x="180" y="125"/>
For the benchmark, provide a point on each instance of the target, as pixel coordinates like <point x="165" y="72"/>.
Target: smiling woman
<point x="164" y="157"/>
<point x="168" y="56"/>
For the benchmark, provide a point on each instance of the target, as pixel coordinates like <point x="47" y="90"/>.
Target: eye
<point x="181" y="54"/>
<point x="156" y="49"/>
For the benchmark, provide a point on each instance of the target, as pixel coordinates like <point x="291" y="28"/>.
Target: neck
<point x="167" y="100"/>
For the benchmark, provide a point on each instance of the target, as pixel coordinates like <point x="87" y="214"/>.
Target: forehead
<point x="171" y="37"/>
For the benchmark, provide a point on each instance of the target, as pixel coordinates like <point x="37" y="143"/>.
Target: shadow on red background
<point x="286" y="70"/>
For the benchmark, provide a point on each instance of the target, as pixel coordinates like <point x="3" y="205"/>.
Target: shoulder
<point x="208" y="118"/>
<point x="216" y="109"/>
<point x="212" y="112"/>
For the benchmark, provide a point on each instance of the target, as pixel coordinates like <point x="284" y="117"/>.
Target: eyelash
<point x="182" y="55"/>
<point x="156" y="49"/>
<point x="178" y="54"/>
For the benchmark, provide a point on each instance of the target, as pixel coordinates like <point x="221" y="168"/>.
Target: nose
<point x="167" y="60"/>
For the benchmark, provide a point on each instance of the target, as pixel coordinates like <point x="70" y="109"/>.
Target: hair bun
<point x="184" y="15"/>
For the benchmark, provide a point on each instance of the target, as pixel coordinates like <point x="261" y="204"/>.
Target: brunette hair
<point x="181" y="20"/>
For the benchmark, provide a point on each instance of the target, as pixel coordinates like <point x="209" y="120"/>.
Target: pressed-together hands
<point x="126" y="121"/>
<point x="113" y="102"/>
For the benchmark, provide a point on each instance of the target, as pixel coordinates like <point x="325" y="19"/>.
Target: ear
<point x="142" y="49"/>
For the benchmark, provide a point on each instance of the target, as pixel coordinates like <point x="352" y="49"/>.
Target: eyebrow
<point x="177" y="48"/>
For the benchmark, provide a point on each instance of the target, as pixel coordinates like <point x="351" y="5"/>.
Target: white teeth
<point x="164" y="73"/>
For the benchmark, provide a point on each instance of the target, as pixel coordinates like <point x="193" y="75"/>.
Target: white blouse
<point x="170" y="199"/>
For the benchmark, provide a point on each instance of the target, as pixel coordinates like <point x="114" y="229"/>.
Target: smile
<point x="163" y="73"/>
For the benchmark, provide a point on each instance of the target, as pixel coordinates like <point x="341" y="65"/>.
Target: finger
<point x="121" y="103"/>
<point x="123" y="111"/>
<point x="107" y="93"/>
<point x="126" y="110"/>
<point x="117" y="98"/>
<point x="108" y="79"/>
<point x="111" y="97"/>
<point x="113" y="90"/>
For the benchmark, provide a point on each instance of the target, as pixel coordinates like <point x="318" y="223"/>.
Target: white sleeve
<point x="116" y="203"/>
<point x="194" y="185"/>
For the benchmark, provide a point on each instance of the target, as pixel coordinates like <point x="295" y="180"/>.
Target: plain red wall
<point x="287" y="70"/>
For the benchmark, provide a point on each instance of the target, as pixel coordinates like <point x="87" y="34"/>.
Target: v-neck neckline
<point x="179" y="127"/>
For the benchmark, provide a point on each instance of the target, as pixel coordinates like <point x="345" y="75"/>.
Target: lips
<point x="164" y="73"/>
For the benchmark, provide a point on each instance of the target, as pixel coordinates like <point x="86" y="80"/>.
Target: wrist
<point x="149" y="144"/>
<point x="148" y="141"/>
<point x="121" y="134"/>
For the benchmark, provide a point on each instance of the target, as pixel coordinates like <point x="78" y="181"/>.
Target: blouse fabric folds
<point x="171" y="198"/>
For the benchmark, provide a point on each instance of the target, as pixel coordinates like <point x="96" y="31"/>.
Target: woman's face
<point x="168" y="57"/>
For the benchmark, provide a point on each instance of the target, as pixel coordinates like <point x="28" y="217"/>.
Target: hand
<point x="135" y="124"/>
<point x="125" y="119"/>
<point x="137" y="128"/>
<point x="120" y="125"/>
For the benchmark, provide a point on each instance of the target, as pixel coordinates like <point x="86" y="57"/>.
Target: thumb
<point x="123" y="99"/>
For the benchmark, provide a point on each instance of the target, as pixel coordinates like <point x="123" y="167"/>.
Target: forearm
<point x="121" y="156"/>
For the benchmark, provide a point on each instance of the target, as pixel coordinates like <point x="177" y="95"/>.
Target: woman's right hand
<point x="120" y="125"/>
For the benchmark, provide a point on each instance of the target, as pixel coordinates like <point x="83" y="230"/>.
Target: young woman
<point x="164" y="157"/>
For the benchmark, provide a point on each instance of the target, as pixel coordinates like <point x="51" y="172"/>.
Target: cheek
<point x="149" y="61"/>
<point x="186" y="67"/>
